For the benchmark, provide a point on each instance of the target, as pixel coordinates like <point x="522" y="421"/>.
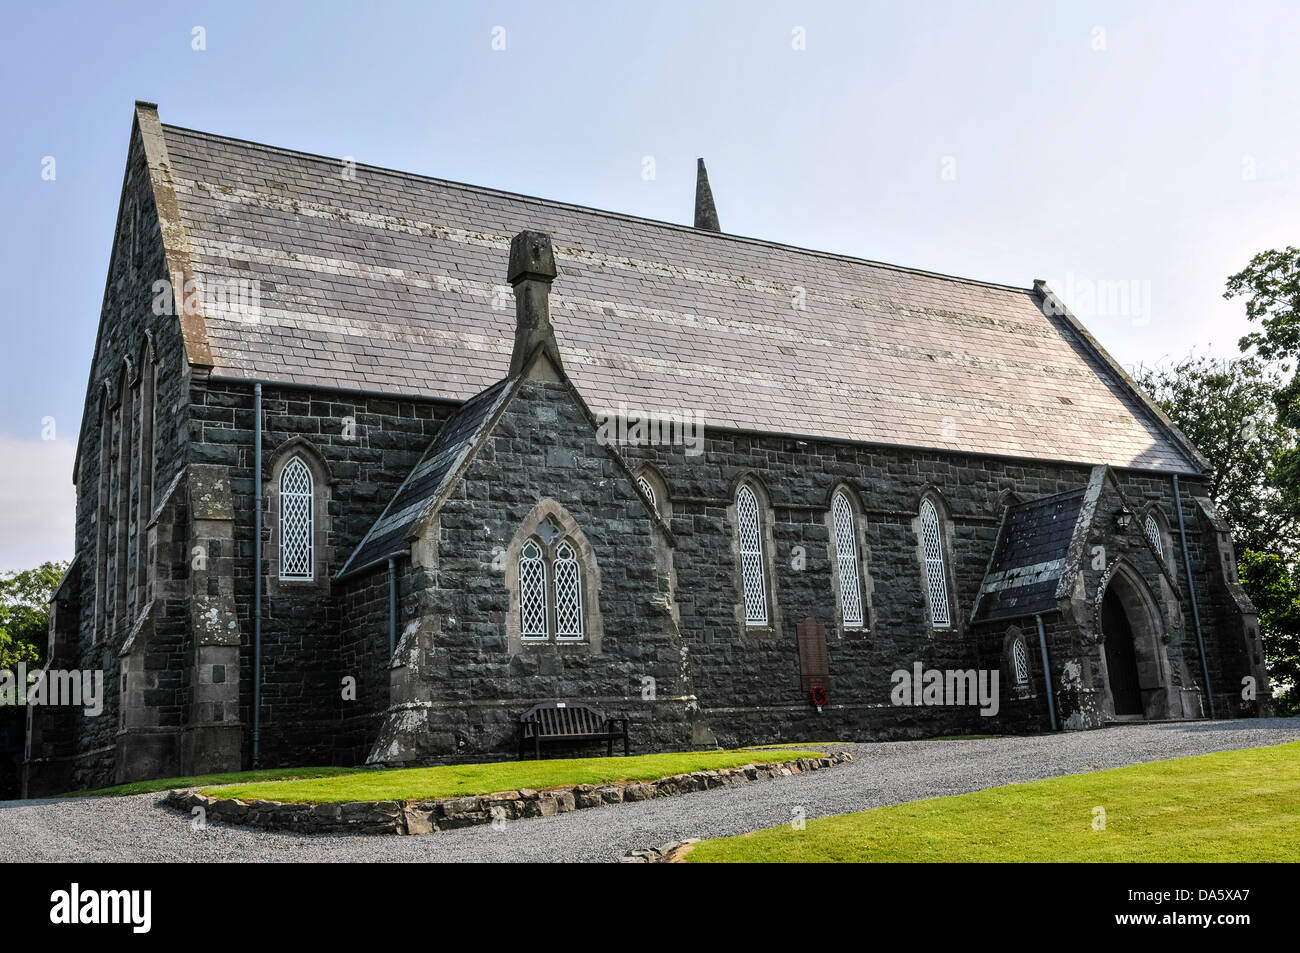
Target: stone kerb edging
<point x="423" y="817"/>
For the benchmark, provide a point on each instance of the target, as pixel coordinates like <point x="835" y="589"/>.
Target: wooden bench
<point x="569" y="722"/>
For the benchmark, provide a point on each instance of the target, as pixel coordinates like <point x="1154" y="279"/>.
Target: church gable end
<point x="540" y="576"/>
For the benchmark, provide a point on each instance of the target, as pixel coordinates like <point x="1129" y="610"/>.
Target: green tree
<point x="1228" y="409"/>
<point x="25" y="612"/>
<point x="1231" y="410"/>
<point x="1275" y="589"/>
<point x="1270" y="285"/>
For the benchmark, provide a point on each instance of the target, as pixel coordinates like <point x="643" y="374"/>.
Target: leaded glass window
<point x="648" y="490"/>
<point x="1154" y="534"/>
<point x="751" y="557"/>
<point x="936" y="575"/>
<point x="568" y="593"/>
<point x="1020" y="660"/>
<point x="296" y="522"/>
<point x="550" y="587"/>
<point x="846" y="561"/>
<point x="534" y="611"/>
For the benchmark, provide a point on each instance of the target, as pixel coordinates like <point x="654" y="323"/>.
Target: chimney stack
<point x="531" y="271"/>
<point x="706" y="213"/>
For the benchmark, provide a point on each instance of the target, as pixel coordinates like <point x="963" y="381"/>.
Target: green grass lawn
<point x="465" y="779"/>
<point x="1228" y="806"/>
<point x="238" y="777"/>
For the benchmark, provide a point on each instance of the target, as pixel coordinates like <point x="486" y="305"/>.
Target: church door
<point x="1121" y="658"/>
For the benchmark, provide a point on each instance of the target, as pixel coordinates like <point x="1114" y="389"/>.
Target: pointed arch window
<point x="533" y="599"/>
<point x="648" y="490"/>
<point x="297" y="513"/>
<point x="1020" y="662"/>
<point x="568" y="593"/>
<point x="1155" y="526"/>
<point x="1154" y="534"/>
<point x="102" y="507"/>
<point x="550" y="587"/>
<point x="147" y="465"/>
<point x="753" y="572"/>
<point x="846" y="561"/>
<point x="936" y="572"/>
<point x="654" y="488"/>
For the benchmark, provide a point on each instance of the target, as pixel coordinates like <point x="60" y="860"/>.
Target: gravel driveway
<point x="137" y="828"/>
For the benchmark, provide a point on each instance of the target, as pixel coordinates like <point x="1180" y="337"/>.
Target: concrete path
<point x="137" y="829"/>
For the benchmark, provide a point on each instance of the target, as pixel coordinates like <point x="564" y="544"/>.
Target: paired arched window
<point x="550" y="588"/>
<point x="297" y="516"/>
<point x="749" y="527"/>
<point x="847" y="564"/>
<point x="936" y="570"/>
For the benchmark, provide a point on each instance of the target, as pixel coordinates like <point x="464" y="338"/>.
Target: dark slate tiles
<point x="1029" y="557"/>
<point x="395" y="283"/>
<point x="411" y="503"/>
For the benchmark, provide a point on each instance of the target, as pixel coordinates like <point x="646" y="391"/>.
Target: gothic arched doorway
<point x="1138" y="681"/>
<point x="1121" y="656"/>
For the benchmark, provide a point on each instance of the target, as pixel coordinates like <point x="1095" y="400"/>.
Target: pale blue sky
<point x="1155" y="144"/>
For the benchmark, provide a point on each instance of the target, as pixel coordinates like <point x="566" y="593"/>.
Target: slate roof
<point x="1029" y="557"/>
<point x="393" y="283"/>
<point x="419" y="492"/>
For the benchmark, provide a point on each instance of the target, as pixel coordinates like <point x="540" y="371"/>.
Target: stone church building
<point x="371" y="463"/>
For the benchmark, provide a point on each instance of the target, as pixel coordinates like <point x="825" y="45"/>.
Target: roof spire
<point x="706" y="213"/>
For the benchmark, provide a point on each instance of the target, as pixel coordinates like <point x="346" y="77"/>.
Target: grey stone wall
<point x="364" y="656"/>
<point x="127" y="322"/>
<point x="366" y="445"/>
<point x="750" y="690"/>
<point x="462" y="684"/>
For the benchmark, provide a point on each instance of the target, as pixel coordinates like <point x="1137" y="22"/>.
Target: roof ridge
<point x="623" y="216"/>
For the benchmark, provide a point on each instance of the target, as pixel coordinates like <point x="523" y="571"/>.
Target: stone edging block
<point x="423" y="817"/>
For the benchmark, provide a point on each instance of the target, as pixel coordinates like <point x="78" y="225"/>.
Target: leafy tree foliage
<point x="1270" y="285"/>
<point x="1228" y="409"/>
<point x="1244" y="415"/>
<point x="1275" y="589"/>
<point x="25" y="612"/>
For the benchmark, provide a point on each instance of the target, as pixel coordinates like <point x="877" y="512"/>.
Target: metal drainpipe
<point x="257" y="574"/>
<point x="392" y="607"/>
<point x="1191" y="592"/>
<point x="1047" y="671"/>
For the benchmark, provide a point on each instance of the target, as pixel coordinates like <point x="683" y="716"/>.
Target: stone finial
<point x="531" y="271"/>
<point x="531" y="258"/>
<point x="706" y="213"/>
